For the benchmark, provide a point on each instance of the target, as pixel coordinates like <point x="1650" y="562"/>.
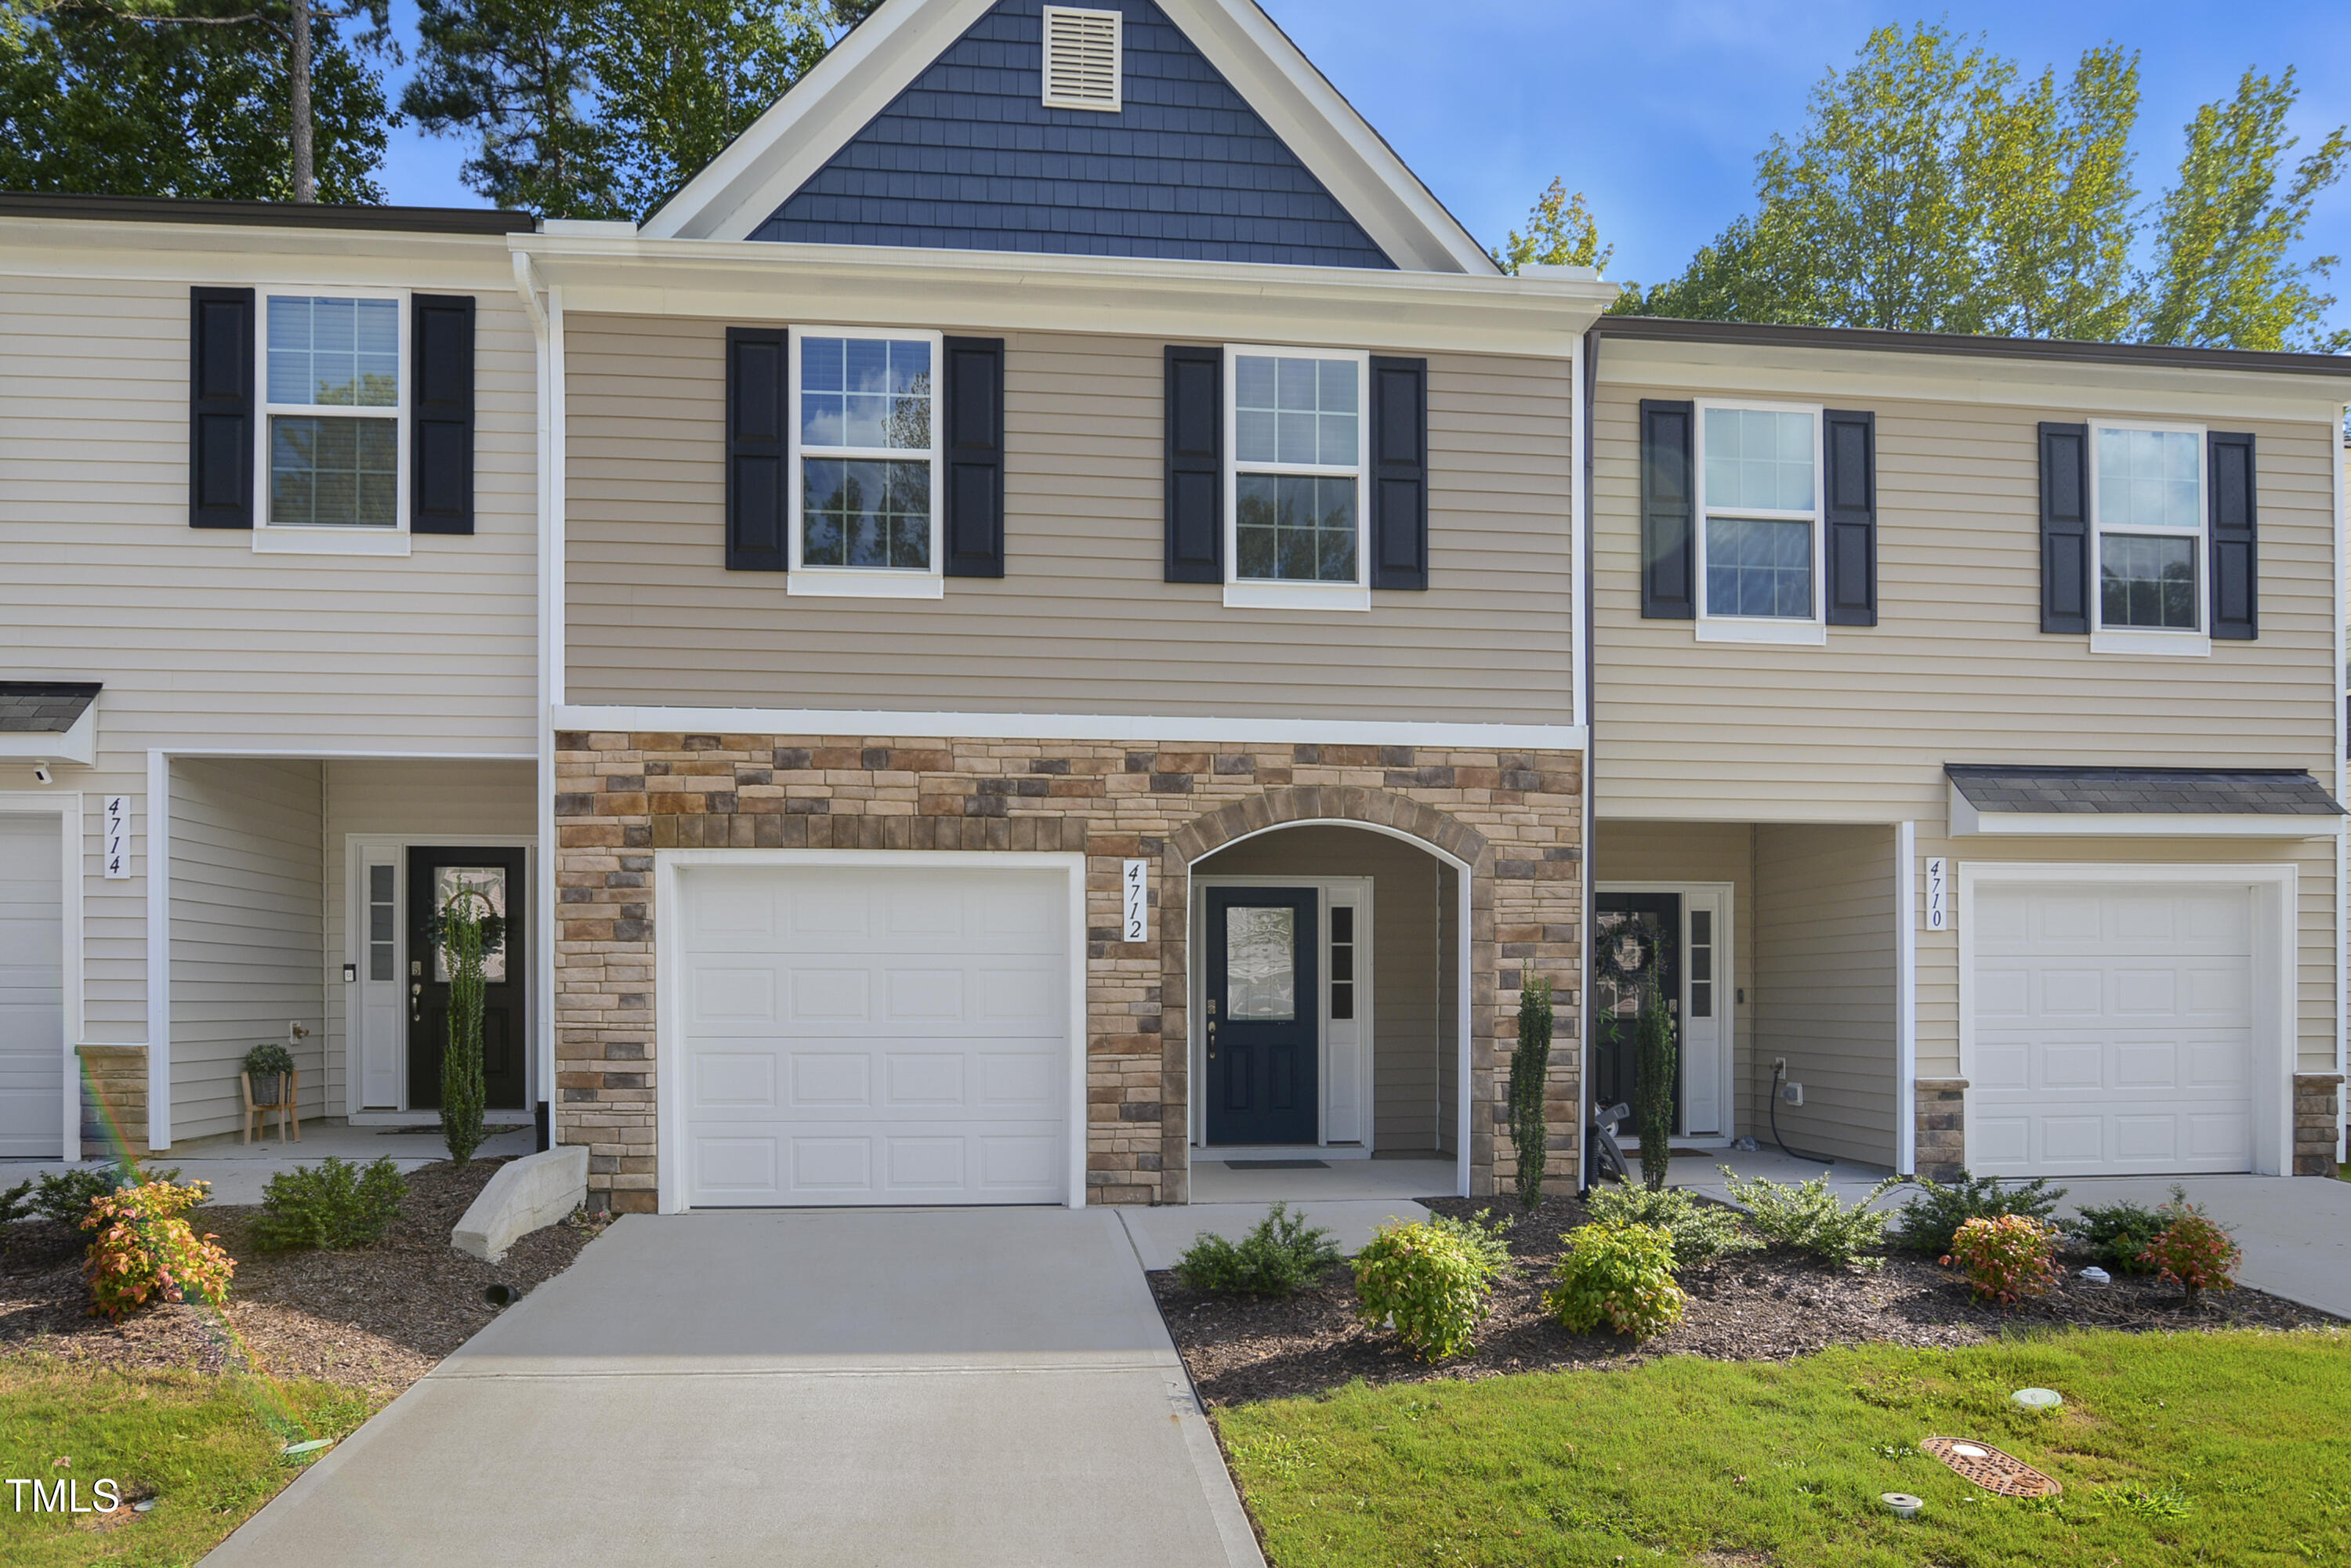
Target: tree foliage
<point x="189" y="99"/>
<point x="1936" y="187"/>
<point x="603" y="108"/>
<point x="1560" y="233"/>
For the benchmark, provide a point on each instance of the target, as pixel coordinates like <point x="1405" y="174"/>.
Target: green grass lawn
<point x="206" y="1446"/>
<point x="2192" y="1448"/>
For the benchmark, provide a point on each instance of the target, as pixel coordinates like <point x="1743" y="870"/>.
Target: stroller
<point x="1602" y="1157"/>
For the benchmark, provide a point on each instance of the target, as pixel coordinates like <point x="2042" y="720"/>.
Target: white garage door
<point x="32" y="988"/>
<point x="2113" y="1030"/>
<point x="875" y="1036"/>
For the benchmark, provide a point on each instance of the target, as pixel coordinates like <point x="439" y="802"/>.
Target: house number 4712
<point x="1134" y="884"/>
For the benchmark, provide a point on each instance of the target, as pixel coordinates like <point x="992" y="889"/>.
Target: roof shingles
<point x="2171" y="792"/>
<point x="43" y="708"/>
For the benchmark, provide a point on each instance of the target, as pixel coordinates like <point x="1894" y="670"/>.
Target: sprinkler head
<point x="1901" y="1503"/>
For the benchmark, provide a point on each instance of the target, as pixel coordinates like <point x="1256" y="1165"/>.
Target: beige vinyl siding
<point x="248" y="928"/>
<point x="1710" y="852"/>
<point x="425" y="802"/>
<point x="1823" y="987"/>
<point x="201" y="642"/>
<point x="1406" y="962"/>
<point x="1082" y="621"/>
<point x="1958" y="670"/>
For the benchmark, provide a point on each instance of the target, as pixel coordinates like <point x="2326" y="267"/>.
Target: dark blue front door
<point x="1263" y="1008"/>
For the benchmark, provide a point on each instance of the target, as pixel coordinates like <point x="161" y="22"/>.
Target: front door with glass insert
<point x="1637" y="929"/>
<point x="1263" y="1009"/>
<point x="435" y="876"/>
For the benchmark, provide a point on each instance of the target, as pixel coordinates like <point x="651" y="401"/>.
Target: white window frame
<point x="1263" y="594"/>
<point x="319" y="539"/>
<point x="1776" y="629"/>
<point x="2172" y="642"/>
<point x="866" y="582"/>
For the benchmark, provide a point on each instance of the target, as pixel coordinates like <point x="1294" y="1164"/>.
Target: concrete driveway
<point x="971" y="1386"/>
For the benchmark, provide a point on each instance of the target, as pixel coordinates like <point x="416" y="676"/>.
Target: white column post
<point x="1906" y="1003"/>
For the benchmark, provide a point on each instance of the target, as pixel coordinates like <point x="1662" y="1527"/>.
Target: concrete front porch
<point x="238" y="1170"/>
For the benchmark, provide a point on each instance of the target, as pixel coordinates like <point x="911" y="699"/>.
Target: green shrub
<point x="1619" y="1275"/>
<point x="1810" y="1219"/>
<point x="1432" y="1280"/>
<point x="2006" y="1257"/>
<point x="332" y="1204"/>
<point x="269" y="1060"/>
<point x="2117" y="1234"/>
<point x="1282" y="1257"/>
<point x="1701" y="1231"/>
<point x="2193" y="1249"/>
<point x="14" y="1204"/>
<point x="66" y="1195"/>
<point x="144" y="1252"/>
<point x="1654" y="1073"/>
<point x="1928" y="1221"/>
<point x="1529" y="1087"/>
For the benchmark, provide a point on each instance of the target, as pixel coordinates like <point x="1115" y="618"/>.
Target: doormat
<point x="1277" y="1164"/>
<point x="2003" y="1475"/>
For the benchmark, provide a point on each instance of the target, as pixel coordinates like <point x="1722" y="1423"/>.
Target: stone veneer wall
<point x="2317" y="1128"/>
<point x="1516" y="818"/>
<point x="1942" y="1128"/>
<point x="114" y="1099"/>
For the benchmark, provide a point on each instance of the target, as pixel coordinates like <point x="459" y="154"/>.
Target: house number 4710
<point x="1939" y="894"/>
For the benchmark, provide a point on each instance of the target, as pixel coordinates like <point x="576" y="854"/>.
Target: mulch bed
<point x="1753" y="1306"/>
<point x="376" y="1317"/>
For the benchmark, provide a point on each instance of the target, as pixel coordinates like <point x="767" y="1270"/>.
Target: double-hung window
<point x="865" y="480"/>
<point x="2148" y="518"/>
<point x="1298" y="436"/>
<point x="334" y="434"/>
<point x="1758" y="534"/>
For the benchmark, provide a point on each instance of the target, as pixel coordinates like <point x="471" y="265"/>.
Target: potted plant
<point x="267" y="1066"/>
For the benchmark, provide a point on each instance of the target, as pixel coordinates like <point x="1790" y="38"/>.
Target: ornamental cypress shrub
<point x="468" y="929"/>
<point x="1652" y="1085"/>
<point x="1529" y="1071"/>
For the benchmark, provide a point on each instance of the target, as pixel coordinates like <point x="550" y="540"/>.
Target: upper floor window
<point x="2148" y="519"/>
<point x="1298" y="435"/>
<point x="333" y="430"/>
<point x="864" y="487"/>
<point x="1759" y="536"/>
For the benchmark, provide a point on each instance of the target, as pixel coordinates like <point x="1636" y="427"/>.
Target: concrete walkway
<point x="968" y="1387"/>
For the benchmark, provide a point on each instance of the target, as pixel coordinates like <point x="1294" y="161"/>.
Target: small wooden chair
<point x="256" y="1115"/>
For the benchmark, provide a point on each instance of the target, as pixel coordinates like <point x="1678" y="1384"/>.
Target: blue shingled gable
<point x="968" y="158"/>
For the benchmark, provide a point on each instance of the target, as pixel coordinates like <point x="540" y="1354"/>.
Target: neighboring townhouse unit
<point x="1068" y="645"/>
<point x="269" y="513"/>
<point x="1969" y="734"/>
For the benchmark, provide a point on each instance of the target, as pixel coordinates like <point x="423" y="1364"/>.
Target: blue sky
<point x="1656" y="110"/>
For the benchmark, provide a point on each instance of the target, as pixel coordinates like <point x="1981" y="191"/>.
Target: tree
<point x="1934" y="188"/>
<point x="1529" y="1082"/>
<point x="1560" y="233"/>
<point x="197" y="103"/>
<point x="605" y="108"/>
<point x="516" y="76"/>
<point x="2221" y="276"/>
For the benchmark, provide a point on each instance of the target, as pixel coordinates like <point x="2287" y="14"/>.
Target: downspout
<point x="1591" y="382"/>
<point x="527" y="284"/>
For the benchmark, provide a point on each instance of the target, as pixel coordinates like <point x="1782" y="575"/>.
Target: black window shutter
<point x="220" y="408"/>
<point x="1195" y="464"/>
<point x="1851" y="517"/>
<point x="1667" y="559"/>
<point x="2065" y="527"/>
<point x="2236" y="562"/>
<point x="973" y="456"/>
<point x="441" y="470"/>
<point x="1399" y="473"/>
<point x="759" y="449"/>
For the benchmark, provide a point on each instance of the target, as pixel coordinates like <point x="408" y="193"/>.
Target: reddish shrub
<point x="2006" y="1258"/>
<point x="2193" y="1249"/>
<point x="146" y="1253"/>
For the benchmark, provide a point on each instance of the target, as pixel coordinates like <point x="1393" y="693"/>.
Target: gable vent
<point x="1081" y="58"/>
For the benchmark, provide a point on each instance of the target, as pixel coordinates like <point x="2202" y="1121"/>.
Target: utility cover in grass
<point x="2003" y="1475"/>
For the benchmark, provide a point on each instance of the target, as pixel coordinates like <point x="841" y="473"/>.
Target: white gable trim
<point x="785" y="147"/>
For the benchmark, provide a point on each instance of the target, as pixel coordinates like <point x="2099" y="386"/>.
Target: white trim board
<point x="669" y="1110"/>
<point x="1069" y="726"/>
<point x="2276" y="1006"/>
<point x="785" y="147"/>
<point x="67" y="807"/>
<point x="76" y="745"/>
<point x="1967" y="821"/>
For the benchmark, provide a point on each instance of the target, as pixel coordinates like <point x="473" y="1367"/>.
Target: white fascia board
<point x="1967" y="821"/>
<point x="1017" y="291"/>
<point x="1070" y="726"/>
<point x="1851" y="377"/>
<point x="77" y="745"/>
<point x="784" y="148"/>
